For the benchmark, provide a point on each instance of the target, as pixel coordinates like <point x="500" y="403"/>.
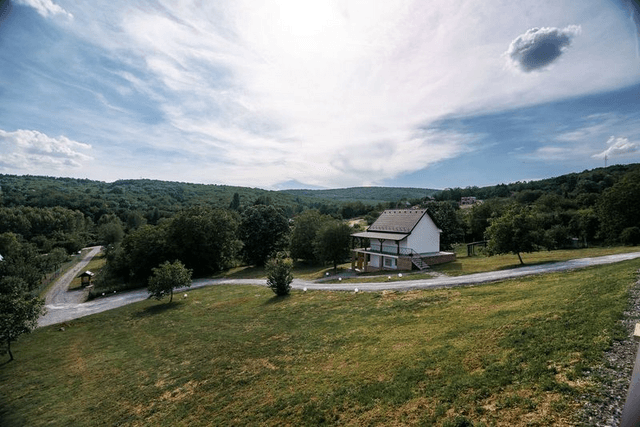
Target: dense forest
<point x="368" y="195"/>
<point x="212" y="227"/>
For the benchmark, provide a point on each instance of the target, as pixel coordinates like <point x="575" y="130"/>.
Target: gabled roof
<point x="397" y="220"/>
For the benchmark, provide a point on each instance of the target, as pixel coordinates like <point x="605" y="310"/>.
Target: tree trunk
<point x="520" y="258"/>
<point x="9" y="350"/>
<point x="171" y="297"/>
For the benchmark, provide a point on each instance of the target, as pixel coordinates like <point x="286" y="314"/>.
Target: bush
<point x="279" y="275"/>
<point x="630" y="236"/>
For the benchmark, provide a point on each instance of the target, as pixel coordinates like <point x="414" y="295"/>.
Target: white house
<point x="399" y="240"/>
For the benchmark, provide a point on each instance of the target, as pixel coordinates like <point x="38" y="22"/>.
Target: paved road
<point x="58" y="313"/>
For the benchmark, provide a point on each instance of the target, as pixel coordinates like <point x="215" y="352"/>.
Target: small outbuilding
<point x="86" y="278"/>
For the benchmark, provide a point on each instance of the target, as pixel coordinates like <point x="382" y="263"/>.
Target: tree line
<point x="592" y="208"/>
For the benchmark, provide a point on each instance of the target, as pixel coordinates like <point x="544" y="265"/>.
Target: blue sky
<point x="281" y="93"/>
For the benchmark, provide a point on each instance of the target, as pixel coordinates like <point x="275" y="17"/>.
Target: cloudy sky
<point x="318" y="93"/>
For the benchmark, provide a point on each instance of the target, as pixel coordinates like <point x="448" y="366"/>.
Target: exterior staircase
<point x="418" y="262"/>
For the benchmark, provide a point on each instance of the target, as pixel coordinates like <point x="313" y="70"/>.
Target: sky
<point x="318" y="93"/>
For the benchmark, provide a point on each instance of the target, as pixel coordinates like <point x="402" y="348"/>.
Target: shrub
<point x="279" y="275"/>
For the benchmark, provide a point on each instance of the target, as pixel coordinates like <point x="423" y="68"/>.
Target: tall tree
<point x="235" y="202"/>
<point x="264" y="230"/>
<point x="143" y="249"/>
<point x="19" y="311"/>
<point x="205" y="239"/>
<point x="516" y="231"/>
<point x="619" y="206"/>
<point x="446" y="216"/>
<point x="305" y="229"/>
<point x="332" y="243"/>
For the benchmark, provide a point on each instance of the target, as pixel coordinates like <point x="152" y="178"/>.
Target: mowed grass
<point x="301" y="270"/>
<point x="511" y="353"/>
<point x="481" y="263"/>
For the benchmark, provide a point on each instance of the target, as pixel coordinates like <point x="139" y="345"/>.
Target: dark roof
<point x="397" y="220"/>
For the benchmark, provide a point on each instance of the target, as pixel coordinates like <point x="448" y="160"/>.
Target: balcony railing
<point x="391" y="250"/>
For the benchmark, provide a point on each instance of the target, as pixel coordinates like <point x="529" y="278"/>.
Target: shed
<point x="86" y="278"/>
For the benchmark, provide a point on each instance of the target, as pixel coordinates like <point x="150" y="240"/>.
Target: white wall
<point x="425" y="237"/>
<point x="375" y="261"/>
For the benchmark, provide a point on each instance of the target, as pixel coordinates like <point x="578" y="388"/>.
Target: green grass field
<point x="481" y="264"/>
<point x="509" y="353"/>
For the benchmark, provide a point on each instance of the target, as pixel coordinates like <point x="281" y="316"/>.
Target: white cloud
<point x="336" y="93"/>
<point x="539" y="47"/>
<point x="553" y="153"/>
<point x="618" y="147"/>
<point x="33" y="151"/>
<point x="45" y="8"/>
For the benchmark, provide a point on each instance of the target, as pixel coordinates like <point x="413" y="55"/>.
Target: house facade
<point x="400" y="239"/>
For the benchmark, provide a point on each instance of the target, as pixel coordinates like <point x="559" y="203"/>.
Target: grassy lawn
<point x="481" y="263"/>
<point x="300" y="271"/>
<point x="95" y="265"/>
<point x="510" y="354"/>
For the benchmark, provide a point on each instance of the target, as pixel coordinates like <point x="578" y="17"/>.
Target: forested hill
<point x="151" y="198"/>
<point x="370" y="195"/>
<point x="581" y="184"/>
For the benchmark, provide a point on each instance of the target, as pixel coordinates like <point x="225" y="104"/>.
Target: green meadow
<point x="511" y="353"/>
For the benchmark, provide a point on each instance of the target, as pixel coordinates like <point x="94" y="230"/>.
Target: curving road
<point x="59" y="292"/>
<point x="64" y="311"/>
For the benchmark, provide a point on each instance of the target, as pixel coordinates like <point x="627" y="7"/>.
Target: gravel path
<point x="63" y="311"/>
<point x="603" y="407"/>
<point x="59" y="292"/>
<point x="60" y="296"/>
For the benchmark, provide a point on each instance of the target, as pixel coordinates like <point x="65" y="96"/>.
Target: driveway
<point x="61" y="312"/>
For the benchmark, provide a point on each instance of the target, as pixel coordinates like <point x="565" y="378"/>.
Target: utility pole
<point x="605" y="160"/>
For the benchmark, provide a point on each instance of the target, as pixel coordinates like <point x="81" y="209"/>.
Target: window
<point x="390" y="262"/>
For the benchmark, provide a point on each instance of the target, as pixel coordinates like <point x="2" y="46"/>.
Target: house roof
<point x="87" y="274"/>
<point x="384" y="236"/>
<point x="397" y="220"/>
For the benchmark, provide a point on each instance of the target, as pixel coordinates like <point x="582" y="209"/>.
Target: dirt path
<point x="67" y="311"/>
<point x="59" y="293"/>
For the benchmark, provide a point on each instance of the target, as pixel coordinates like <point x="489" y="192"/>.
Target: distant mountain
<point x="371" y="195"/>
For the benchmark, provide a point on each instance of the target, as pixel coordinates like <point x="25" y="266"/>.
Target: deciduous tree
<point x="514" y="232"/>
<point x="305" y="229"/>
<point x="205" y="239"/>
<point x="264" y="230"/>
<point x="19" y="311"/>
<point x="332" y="243"/>
<point x="167" y="277"/>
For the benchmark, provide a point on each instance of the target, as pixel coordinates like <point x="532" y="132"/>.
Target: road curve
<point x="62" y="312"/>
<point x="59" y="293"/>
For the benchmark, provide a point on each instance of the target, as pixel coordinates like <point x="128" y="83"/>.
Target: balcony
<point x="388" y="250"/>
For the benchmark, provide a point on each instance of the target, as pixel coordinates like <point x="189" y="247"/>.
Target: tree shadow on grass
<point x="152" y="310"/>
<point x="277" y="299"/>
